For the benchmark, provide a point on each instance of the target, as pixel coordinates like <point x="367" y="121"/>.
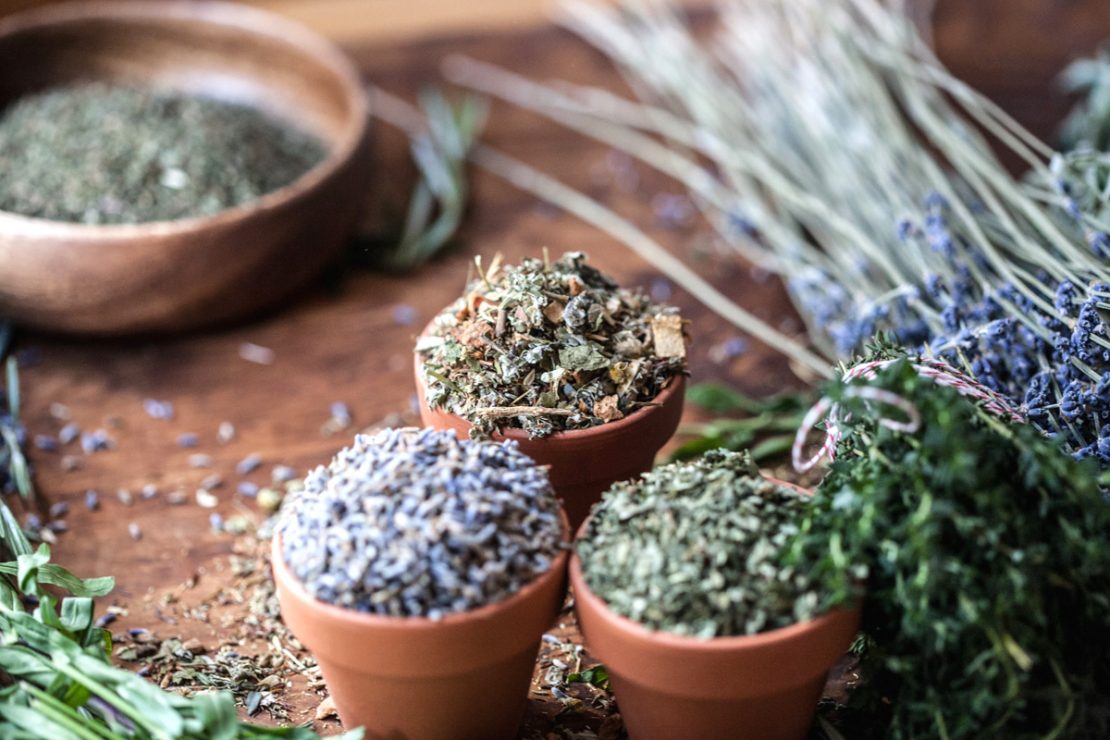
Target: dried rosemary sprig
<point x="549" y="346"/>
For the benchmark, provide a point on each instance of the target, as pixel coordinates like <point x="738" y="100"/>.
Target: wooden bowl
<point x="181" y="274"/>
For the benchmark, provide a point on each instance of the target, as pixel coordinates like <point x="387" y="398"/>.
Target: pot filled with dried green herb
<point x="587" y="377"/>
<point x="422" y="570"/>
<point x="682" y="591"/>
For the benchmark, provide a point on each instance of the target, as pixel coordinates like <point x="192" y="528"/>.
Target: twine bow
<point x="939" y="371"/>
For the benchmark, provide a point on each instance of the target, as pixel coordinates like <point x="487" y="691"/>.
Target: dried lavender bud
<point x="207" y="500"/>
<point x="200" y="460"/>
<point x="46" y="443"/>
<point x="58" y="509"/>
<point x="96" y="441"/>
<point x="176" y="498"/>
<point x="92" y="500"/>
<point x="549" y="347"/>
<point x="212" y="482"/>
<point x="697" y="549"/>
<point x="415" y="522"/>
<point x="249" y="464"/>
<point x="256" y="353"/>
<point x="149" y="491"/>
<point x="216" y="522"/>
<point x="187" y="440"/>
<point x="225" y="433"/>
<point x="282" y="473"/>
<point x="59" y="411"/>
<point x="125" y="497"/>
<point x="135" y="531"/>
<point x="246" y="488"/>
<point x="69" y="433"/>
<point x="162" y="410"/>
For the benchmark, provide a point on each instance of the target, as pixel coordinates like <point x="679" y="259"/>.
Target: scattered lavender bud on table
<point x="46" y="443"/>
<point x="59" y="411"/>
<point x="58" y="525"/>
<point x="135" y="531"/>
<point x="187" y="440"/>
<point x="212" y="482"/>
<point x="69" y="433"/>
<point x="161" y="410"/>
<point x="92" y="500"/>
<point x="404" y="314"/>
<point x="249" y="464"/>
<point x="200" y="460"/>
<point x="246" y="488"/>
<point x="176" y="498"/>
<point x="58" y="509"/>
<point x="282" y="473"/>
<point x="149" y="491"/>
<point x="415" y="522"/>
<point x="70" y="463"/>
<point x="216" y="522"/>
<point x="125" y="497"/>
<point x="225" y="433"/>
<point x="96" y="441"/>
<point x="206" y="500"/>
<point x="256" y="353"/>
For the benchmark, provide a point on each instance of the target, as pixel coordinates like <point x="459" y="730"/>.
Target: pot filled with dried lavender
<point x="421" y="570"/>
<point x="681" y="589"/>
<point x="586" y="376"/>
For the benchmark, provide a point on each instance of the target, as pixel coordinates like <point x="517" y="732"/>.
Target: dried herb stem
<point x="501" y="412"/>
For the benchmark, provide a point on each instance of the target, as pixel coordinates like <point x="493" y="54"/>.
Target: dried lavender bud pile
<point x="101" y="153"/>
<point x="415" y="522"/>
<point x="697" y="548"/>
<point x="549" y="347"/>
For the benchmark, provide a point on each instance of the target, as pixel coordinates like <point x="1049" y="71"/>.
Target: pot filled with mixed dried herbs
<point x="587" y="377"/>
<point x="682" y="591"/>
<point x="421" y="570"/>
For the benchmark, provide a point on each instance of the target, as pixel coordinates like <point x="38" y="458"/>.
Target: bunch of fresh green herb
<point x="987" y="568"/>
<point x="56" y="673"/>
<point x="549" y="346"/>
<point x="766" y="427"/>
<point x="696" y="549"/>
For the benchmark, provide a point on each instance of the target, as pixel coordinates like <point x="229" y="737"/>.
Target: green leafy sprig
<point x="987" y="568"/>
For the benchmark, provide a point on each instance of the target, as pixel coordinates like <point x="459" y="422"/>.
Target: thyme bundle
<point x="549" y="346"/>
<point x="987" y="570"/>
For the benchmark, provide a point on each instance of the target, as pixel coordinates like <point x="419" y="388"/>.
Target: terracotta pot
<point x="463" y="677"/>
<point x="583" y="463"/>
<point x="672" y="687"/>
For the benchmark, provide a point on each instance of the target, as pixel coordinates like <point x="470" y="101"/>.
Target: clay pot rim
<point x="332" y="612"/>
<point x="636" y="631"/>
<point x="340" y="150"/>
<point x="675" y="384"/>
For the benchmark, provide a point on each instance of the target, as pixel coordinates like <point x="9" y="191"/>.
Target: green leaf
<point x="596" y="676"/>
<point x="583" y="357"/>
<point x="56" y="575"/>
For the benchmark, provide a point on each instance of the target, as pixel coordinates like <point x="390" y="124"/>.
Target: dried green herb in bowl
<point x="106" y="153"/>
<point x="696" y="548"/>
<point x="548" y="347"/>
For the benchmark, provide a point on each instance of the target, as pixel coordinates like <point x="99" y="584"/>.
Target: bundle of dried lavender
<point x="549" y="346"/>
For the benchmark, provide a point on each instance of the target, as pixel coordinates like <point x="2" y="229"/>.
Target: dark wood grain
<point x="353" y="342"/>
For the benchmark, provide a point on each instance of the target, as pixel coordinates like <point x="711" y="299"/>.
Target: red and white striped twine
<point x="939" y="371"/>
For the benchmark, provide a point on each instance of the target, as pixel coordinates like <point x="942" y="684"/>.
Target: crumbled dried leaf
<point x="666" y="329"/>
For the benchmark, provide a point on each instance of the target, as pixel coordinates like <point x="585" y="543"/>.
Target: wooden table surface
<point x="350" y="339"/>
